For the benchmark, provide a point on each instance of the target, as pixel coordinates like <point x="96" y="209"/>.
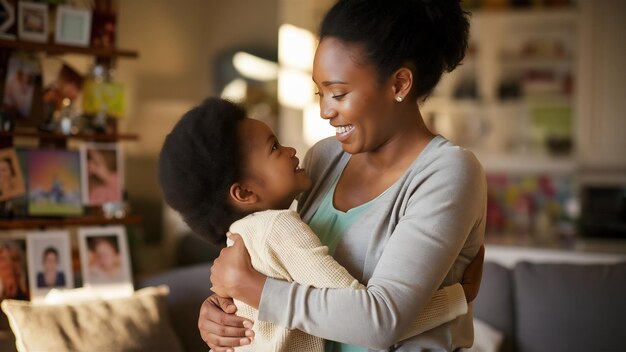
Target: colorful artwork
<point x="54" y="182"/>
<point x="538" y="206"/>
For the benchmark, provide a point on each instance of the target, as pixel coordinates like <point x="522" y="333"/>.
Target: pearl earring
<point x="399" y="99"/>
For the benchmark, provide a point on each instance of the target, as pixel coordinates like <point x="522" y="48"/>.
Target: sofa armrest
<point x="189" y="286"/>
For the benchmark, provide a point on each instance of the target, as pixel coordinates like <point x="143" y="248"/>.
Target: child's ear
<point x="240" y="194"/>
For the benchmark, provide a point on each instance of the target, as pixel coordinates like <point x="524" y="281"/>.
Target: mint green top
<point x="329" y="224"/>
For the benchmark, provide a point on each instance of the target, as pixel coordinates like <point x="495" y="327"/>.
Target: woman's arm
<point x="422" y="249"/>
<point x="295" y="251"/>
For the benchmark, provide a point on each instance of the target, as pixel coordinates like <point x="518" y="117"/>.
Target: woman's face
<point x="351" y="96"/>
<point x="50" y="262"/>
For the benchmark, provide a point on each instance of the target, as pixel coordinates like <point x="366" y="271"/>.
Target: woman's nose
<point x="327" y="111"/>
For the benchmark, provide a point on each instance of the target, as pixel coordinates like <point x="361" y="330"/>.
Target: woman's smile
<point x="343" y="132"/>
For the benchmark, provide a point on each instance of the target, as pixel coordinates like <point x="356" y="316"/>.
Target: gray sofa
<point x="543" y="306"/>
<point x="555" y="306"/>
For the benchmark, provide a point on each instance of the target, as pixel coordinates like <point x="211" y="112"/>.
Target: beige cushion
<point x="136" y="323"/>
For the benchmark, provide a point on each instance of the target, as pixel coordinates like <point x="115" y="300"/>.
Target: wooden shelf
<point x="82" y="136"/>
<point x="94" y="220"/>
<point x="67" y="49"/>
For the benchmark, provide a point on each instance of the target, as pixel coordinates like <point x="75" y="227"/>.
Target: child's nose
<point x="292" y="151"/>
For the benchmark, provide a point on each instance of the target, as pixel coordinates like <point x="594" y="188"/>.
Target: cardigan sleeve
<point x="416" y="258"/>
<point x="292" y="245"/>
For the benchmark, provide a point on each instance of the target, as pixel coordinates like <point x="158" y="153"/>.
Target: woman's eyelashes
<point x="337" y="96"/>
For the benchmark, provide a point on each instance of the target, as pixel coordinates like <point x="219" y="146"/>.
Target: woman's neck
<point x="408" y="140"/>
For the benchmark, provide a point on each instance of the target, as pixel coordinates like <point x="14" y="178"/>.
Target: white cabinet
<point x="601" y="133"/>
<point x="513" y="100"/>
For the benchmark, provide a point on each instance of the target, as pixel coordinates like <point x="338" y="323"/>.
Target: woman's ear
<point x="241" y="195"/>
<point x="402" y="83"/>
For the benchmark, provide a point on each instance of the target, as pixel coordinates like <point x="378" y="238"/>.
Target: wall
<point x="177" y="43"/>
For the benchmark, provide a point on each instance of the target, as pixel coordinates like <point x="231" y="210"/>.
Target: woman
<point x="401" y="208"/>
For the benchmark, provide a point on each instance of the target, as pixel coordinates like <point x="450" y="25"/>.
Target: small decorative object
<point x="58" y="95"/>
<point x="13" y="282"/>
<point x="104" y="256"/>
<point x="102" y="173"/>
<point x="49" y="262"/>
<point x="21" y="86"/>
<point x="103" y="97"/>
<point x="54" y="182"/>
<point x="33" y="21"/>
<point x="11" y="179"/>
<point x="73" y="26"/>
<point x="8" y="23"/>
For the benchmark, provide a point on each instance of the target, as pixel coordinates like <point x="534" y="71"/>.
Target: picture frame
<point x="104" y="257"/>
<point x="32" y="22"/>
<point x="11" y="176"/>
<point x="102" y="173"/>
<point x="73" y="26"/>
<point x="54" y="186"/>
<point x="21" y="97"/>
<point x="13" y="269"/>
<point x="49" y="262"/>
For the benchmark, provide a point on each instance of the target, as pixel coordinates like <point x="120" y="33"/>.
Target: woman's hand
<point x="232" y="274"/>
<point x="472" y="275"/>
<point x="220" y="328"/>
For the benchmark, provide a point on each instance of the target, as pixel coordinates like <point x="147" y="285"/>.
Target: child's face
<point x="273" y="170"/>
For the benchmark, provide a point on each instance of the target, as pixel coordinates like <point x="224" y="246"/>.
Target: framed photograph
<point x="13" y="274"/>
<point x="11" y="177"/>
<point x="53" y="182"/>
<point x="104" y="256"/>
<point x="49" y="262"/>
<point x="102" y="175"/>
<point x="32" y="24"/>
<point x="23" y="78"/>
<point x="73" y="26"/>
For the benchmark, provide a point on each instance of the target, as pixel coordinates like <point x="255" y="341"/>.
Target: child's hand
<point x="232" y="274"/>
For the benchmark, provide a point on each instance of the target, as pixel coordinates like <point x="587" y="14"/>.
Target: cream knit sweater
<point x="283" y="247"/>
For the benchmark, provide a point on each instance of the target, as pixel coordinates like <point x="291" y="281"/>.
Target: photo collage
<point x="36" y="263"/>
<point x="60" y="182"/>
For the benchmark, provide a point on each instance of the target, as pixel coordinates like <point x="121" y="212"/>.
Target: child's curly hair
<point x="199" y="162"/>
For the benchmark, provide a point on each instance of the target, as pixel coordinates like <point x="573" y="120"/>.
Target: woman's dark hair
<point x="199" y="162"/>
<point x="432" y="35"/>
<point x="93" y="242"/>
<point x="51" y="250"/>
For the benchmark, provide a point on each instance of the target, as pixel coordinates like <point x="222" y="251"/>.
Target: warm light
<point x="295" y="88"/>
<point x="314" y="127"/>
<point x="236" y="90"/>
<point x="296" y="47"/>
<point x="254" y="67"/>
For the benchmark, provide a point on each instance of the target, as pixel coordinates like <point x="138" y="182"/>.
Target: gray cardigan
<point x="417" y="237"/>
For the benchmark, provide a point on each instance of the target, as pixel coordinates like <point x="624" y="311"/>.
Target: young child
<point x="220" y="169"/>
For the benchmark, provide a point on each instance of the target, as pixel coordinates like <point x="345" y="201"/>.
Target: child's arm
<point x="294" y="247"/>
